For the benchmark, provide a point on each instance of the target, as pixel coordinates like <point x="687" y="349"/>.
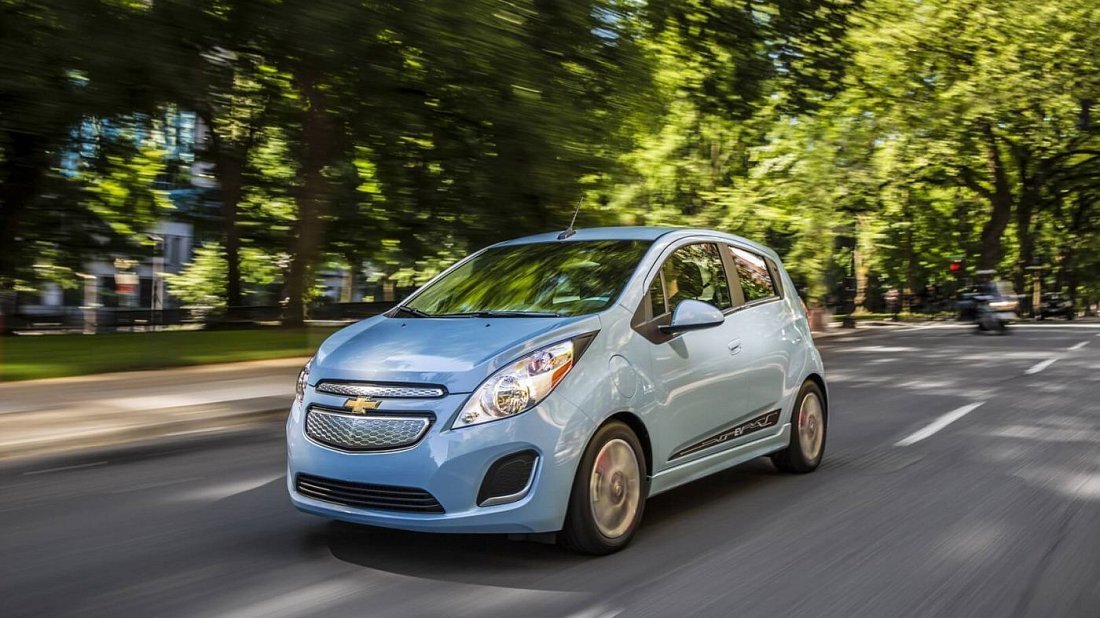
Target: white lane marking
<point x="1041" y="365"/>
<point x="1080" y="345"/>
<point x="126" y="490"/>
<point x="938" y="424"/>
<point x="63" y="468"/>
<point x="880" y="348"/>
<point x="213" y="493"/>
<point x="307" y="601"/>
<point x="599" y="611"/>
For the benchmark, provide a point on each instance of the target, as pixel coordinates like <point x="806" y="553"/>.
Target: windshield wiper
<point x="500" y="314"/>
<point x="415" y="312"/>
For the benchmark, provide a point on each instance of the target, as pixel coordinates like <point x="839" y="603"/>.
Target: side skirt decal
<point x="756" y="424"/>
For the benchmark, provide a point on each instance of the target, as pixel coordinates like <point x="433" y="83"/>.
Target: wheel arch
<point x="819" y="380"/>
<point x="637" y="425"/>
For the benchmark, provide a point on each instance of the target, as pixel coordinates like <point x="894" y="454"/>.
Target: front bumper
<point x="450" y="464"/>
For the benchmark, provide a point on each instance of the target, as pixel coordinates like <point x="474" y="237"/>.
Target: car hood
<point x="457" y="353"/>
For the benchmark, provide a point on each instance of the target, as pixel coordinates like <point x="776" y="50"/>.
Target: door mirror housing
<point x="693" y="315"/>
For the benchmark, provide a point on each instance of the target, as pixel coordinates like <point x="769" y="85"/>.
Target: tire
<point x="603" y="528"/>
<point x="809" y="424"/>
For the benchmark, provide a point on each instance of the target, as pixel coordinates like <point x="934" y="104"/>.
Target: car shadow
<point x="496" y="560"/>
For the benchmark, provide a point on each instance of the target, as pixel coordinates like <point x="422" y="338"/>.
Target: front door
<point x="701" y="378"/>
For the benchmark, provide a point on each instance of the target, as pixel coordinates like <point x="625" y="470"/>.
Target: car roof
<point x="598" y="233"/>
<point x="650" y="233"/>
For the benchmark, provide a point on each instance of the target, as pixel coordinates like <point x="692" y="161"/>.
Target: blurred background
<point x="191" y="182"/>
<point x="232" y="163"/>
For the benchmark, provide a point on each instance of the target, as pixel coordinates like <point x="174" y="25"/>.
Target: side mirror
<point x="693" y="315"/>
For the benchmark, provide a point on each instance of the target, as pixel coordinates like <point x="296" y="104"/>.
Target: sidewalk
<point x="67" y="414"/>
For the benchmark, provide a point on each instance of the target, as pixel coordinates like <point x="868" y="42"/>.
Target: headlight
<point x="303" y="381"/>
<point x="518" y="387"/>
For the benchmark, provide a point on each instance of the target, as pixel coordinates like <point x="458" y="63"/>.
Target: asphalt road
<point x="926" y="506"/>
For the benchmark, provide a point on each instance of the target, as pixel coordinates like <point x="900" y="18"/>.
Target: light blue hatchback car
<point x="552" y="383"/>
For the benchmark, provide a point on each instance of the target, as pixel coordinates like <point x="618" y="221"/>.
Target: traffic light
<point x="955" y="266"/>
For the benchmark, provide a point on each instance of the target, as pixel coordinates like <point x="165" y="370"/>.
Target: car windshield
<point x="542" y="279"/>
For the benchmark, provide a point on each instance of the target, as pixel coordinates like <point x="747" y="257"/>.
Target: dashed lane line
<point x="63" y="468"/>
<point x="1039" y="366"/>
<point x="938" y="424"/>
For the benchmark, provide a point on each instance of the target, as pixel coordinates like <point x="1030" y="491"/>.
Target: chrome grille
<point x="386" y="497"/>
<point x="365" y="433"/>
<point x="393" y="391"/>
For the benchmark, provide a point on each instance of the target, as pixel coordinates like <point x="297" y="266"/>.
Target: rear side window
<point x="695" y="272"/>
<point x="756" y="278"/>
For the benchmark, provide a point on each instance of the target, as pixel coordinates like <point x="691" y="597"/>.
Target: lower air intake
<point x="363" y="495"/>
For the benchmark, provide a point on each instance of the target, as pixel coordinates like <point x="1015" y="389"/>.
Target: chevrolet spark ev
<point x="552" y="383"/>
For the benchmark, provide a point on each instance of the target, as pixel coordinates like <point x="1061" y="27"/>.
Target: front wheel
<point x="608" y="497"/>
<point x="808" y="424"/>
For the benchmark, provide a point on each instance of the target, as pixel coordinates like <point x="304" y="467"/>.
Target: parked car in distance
<point x="1055" y="305"/>
<point x="551" y="384"/>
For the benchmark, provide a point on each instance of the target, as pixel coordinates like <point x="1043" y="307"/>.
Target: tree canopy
<point x="405" y="134"/>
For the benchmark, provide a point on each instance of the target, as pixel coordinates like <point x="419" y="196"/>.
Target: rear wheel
<point x="808" y="425"/>
<point x="608" y="494"/>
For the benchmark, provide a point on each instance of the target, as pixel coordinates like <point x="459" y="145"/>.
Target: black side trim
<point x="756" y="424"/>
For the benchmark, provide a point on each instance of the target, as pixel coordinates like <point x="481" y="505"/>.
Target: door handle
<point x="734" y="346"/>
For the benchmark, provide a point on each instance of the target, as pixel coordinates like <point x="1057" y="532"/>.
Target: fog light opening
<point x="508" y="479"/>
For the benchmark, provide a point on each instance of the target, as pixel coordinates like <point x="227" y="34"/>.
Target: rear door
<point x="765" y="326"/>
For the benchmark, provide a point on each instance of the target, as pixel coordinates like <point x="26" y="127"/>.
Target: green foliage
<point x="394" y="137"/>
<point x="33" y="358"/>
<point x="201" y="283"/>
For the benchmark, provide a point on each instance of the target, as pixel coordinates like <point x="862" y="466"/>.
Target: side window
<point x="754" y="275"/>
<point x="695" y="272"/>
<point x="657" y="297"/>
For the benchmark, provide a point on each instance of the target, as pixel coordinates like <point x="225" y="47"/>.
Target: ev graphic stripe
<point x="750" y="426"/>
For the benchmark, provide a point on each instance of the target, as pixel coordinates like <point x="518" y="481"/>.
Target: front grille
<point x="383" y="497"/>
<point x="364" y="433"/>
<point x="381" y="391"/>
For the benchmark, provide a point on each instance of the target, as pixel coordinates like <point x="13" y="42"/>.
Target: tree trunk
<point x="1068" y="275"/>
<point x="1025" y="235"/>
<point x="1000" y="198"/>
<point x="21" y="171"/>
<point x="312" y="198"/>
<point x="231" y="178"/>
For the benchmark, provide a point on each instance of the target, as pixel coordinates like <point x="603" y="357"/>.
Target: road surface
<point x="962" y="478"/>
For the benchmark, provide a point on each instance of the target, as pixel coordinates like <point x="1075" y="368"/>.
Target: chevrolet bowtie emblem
<point x="359" y="405"/>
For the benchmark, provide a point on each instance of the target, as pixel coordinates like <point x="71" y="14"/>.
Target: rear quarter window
<point x="756" y="275"/>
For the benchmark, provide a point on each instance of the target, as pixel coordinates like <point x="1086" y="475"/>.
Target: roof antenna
<point x="569" y="231"/>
